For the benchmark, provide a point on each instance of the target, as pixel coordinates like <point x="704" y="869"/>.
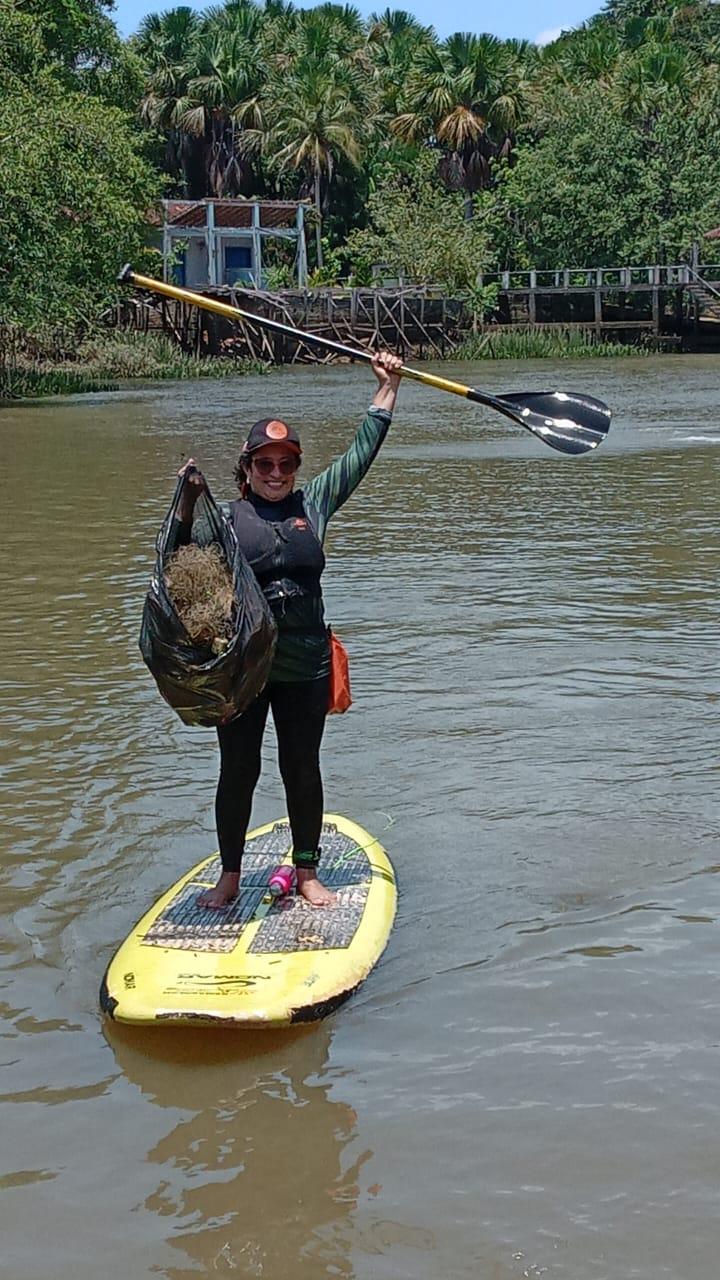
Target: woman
<point x="281" y="531"/>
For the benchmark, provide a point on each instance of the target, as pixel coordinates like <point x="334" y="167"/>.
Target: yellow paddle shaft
<point x="234" y="313"/>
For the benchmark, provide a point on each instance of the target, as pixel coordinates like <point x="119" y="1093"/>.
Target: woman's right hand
<point x="191" y="490"/>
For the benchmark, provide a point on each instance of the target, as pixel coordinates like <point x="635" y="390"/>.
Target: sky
<point x="523" y="19"/>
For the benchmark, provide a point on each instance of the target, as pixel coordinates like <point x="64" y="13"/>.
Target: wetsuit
<point x="283" y="543"/>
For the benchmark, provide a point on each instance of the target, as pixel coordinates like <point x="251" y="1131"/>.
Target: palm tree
<point x="166" y="37"/>
<point x="205" y="80"/>
<point x="651" y="76"/>
<point x="316" y="105"/>
<point x="466" y="96"/>
<point x="343" y="19"/>
<point x="589" y="54"/>
<point x="394" y="38"/>
<point x="279" y="8"/>
<point x="165" y="43"/>
<point x="224" y="93"/>
<point x="328" y="35"/>
<point x="316" y="124"/>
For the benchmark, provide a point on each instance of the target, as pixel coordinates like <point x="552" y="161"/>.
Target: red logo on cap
<point x="276" y="430"/>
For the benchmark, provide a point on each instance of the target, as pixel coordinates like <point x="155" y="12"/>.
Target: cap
<point x="271" y="431"/>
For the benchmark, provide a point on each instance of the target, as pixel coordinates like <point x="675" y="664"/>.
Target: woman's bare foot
<point x="225" y="890"/>
<point x="313" y="890"/>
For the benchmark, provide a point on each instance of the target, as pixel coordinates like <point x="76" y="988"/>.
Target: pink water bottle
<point x="281" y="881"/>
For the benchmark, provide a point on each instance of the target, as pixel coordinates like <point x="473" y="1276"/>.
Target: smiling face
<point x="271" y="471"/>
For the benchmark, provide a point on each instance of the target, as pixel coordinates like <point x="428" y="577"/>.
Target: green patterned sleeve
<point x="326" y="493"/>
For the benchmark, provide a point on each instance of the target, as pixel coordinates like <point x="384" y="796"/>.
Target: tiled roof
<point x="230" y="213"/>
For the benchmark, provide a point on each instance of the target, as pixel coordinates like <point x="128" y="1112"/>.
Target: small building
<point x="220" y="242"/>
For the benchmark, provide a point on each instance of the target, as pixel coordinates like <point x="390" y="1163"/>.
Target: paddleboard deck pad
<point x="260" y="961"/>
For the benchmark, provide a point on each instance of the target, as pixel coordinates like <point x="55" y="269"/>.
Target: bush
<point x="420" y="231"/>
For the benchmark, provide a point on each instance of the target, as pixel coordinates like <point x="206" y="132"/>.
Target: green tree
<point x="418" y="230"/>
<point x="394" y="39"/>
<point x="74" y="195"/>
<point x="22" y="49"/>
<point x="598" y="190"/>
<point x="652" y="78"/>
<point x="73" y="32"/>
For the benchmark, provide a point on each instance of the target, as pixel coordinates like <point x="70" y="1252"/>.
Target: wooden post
<point x="301" y="256"/>
<point x="532" y="316"/>
<point x="598" y="311"/>
<point x="678" y="310"/>
<point x="656" y="310"/>
<point x="402" y="325"/>
<point x="257" y="246"/>
<point x="210" y="244"/>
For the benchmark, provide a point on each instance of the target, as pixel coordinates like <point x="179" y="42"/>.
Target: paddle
<point x="566" y="421"/>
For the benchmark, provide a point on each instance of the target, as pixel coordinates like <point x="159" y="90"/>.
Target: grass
<point x="101" y="360"/>
<point x="541" y="344"/>
<point x="28" y="382"/>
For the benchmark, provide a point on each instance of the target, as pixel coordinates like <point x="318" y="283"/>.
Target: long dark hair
<point x="241" y="476"/>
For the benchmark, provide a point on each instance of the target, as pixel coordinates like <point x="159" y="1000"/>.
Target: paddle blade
<point x="566" y="421"/>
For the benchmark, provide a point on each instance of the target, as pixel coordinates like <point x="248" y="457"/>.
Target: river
<point x="527" y="1084"/>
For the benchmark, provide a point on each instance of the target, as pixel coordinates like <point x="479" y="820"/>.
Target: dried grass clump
<point x="201" y="588"/>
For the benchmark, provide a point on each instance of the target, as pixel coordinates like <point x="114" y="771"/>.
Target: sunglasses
<point x="266" y="466"/>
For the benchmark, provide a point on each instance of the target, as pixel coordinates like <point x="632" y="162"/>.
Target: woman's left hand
<point x="386" y="368"/>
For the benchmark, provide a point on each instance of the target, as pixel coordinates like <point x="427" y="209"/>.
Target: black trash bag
<point x="205" y="689"/>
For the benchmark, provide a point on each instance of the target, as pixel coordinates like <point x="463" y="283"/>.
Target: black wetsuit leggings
<point x="299" y="710"/>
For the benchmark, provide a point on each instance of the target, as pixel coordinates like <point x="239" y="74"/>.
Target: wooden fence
<point x="421" y="322"/>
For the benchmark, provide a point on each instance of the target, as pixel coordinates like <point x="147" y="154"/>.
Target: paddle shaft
<point x="127" y="276"/>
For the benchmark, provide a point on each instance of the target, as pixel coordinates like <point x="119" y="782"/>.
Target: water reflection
<point x="256" y="1178"/>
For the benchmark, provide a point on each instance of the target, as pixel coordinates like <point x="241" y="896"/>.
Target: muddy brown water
<point x="528" y="1083"/>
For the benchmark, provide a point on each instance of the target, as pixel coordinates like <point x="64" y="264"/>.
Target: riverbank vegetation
<point x="439" y="158"/>
<point x="99" y="360"/>
<point x="542" y="344"/>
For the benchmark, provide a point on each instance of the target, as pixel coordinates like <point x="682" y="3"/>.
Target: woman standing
<point x="281" y="530"/>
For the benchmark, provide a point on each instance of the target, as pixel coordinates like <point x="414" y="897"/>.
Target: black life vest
<point x="280" y="544"/>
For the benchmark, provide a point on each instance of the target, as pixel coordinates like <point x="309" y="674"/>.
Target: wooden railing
<point x="708" y="278"/>
<point x="571" y="278"/>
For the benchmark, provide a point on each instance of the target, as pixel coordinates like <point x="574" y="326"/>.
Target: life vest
<point x="286" y="554"/>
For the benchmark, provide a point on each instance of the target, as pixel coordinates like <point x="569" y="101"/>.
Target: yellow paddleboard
<point x="261" y="961"/>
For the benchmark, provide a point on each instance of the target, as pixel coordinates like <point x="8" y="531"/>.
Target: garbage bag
<point x="205" y="688"/>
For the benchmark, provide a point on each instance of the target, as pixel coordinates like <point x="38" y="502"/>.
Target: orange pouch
<point x="339" y="698"/>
